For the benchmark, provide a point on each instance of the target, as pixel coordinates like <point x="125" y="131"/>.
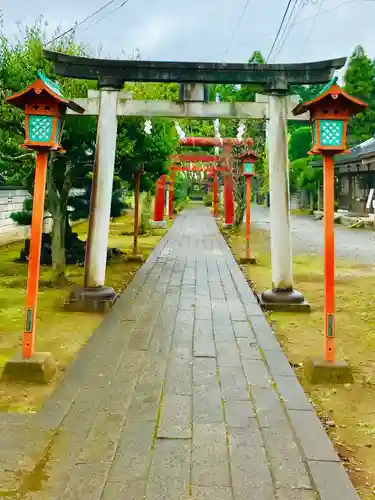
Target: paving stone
<point x="264" y="334"/>
<point x="290" y="494"/>
<point x="184" y="326"/>
<point x="202" y="312"/>
<point x="228" y="354"/>
<point x="233" y="383"/>
<point x="332" y="481"/>
<point x="223" y="332"/>
<point x="134" y="489"/>
<point x="242" y="329"/>
<point x="315" y="442"/>
<point x="205" y="372"/>
<point x="256" y="373"/>
<point x="103" y="438"/>
<point x="175" y="417"/>
<point x="210" y="456"/>
<point x="211" y="493"/>
<point x="133" y="455"/>
<point x="278" y="363"/>
<point x="287" y="466"/>
<point x="170" y="470"/>
<point x="204" y="339"/>
<point x="239" y="413"/>
<point x="87" y="481"/>
<point x="249" y="466"/>
<point x="292" y="393"/>
<point x="248" y="350"/>
<point x="179" y="374"/>
<point x="207" y="406"/>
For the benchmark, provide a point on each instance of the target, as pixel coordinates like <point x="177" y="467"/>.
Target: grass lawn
<point x="58" y="331"/>
<point x="348" y="412"/>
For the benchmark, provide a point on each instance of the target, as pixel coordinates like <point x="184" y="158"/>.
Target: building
<point x="355" y="176"/>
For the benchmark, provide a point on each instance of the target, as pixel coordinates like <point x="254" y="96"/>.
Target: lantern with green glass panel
<point x="45" y="108"/>
<point x="248" y="161"/>
<point x="329" y="115"/>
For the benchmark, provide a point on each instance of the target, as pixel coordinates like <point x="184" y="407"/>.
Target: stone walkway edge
<point x="281" y="414"/>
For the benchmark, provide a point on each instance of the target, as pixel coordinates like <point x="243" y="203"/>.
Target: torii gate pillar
<point x="95" y="296"/>
<point x="228" y="200"/>
<point x="158" y="220"/>
<point x="282" y="297"/>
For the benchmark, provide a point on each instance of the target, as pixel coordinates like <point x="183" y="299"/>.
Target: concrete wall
<point x="11" y="200"/>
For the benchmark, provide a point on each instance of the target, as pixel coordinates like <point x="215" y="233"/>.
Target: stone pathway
<point x="182" y="393"/>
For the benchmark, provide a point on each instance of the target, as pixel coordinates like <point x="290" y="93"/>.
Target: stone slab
<point x="40" y="368"/>
<point x="332" y="481"/>
<point x="175" y="417"/>
<point x="319" y="371"/>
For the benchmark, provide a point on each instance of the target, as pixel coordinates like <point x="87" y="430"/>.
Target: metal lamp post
<point x="45" y="108"/>
<point x="248" y="160"/>
<point x="329" y="115"/>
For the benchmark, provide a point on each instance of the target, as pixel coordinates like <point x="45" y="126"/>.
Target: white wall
<point x="11" y="200"/>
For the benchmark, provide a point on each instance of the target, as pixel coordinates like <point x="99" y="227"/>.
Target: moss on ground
<point x="348" y="411"/>
<point x="58" y="331"/>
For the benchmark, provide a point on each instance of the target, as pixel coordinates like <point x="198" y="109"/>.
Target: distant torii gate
<point x="227" y="144"/>
<point x="161" y="184"/>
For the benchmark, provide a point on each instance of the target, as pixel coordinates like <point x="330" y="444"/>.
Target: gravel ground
<point x="307" y="237"/>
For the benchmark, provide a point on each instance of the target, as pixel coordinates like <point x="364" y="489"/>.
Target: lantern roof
<point x="42" y="85"/>
<point x="249" y="155"/>
<point x="331" y="91"/>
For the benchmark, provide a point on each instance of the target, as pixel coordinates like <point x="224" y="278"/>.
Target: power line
<point x="289" y="28"/>
<point x="106" y="15"/>
<point x="280" y="28"/>
<point x="312" y="27"/>
<point x="73" y="28"/>
<point x="238" y="25"/>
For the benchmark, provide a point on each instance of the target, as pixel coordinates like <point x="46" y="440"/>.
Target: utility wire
<point x="289" y="26"/>
<point x="106" y="15"/>
<point x="73" y="28"/>
<point x="311" y="27"/>
<point x="279" y="30"/>
<point x="235" y="31"/>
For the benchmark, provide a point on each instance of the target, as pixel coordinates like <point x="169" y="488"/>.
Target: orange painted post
<point x="329" y="259"/>
<point x="136" y="211"/>
<point x="248" y="207"/>
<point x="28" y="343"/>
<point x="215" y="195"/>
<point x="171" y="195"/>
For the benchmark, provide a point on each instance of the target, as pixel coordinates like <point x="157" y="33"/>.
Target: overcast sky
<point x="207" y="30"/>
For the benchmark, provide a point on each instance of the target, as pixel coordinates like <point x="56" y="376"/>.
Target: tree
<point x="360" y="81"/>
<point x="300" y="143"/>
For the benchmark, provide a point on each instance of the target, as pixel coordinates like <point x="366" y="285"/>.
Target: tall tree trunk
<point x="146" y="202"/>
<point x="57" y="204"/>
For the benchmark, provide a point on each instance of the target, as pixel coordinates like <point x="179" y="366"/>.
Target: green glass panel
<point x="331" y="132"/>
<point x="40" y="128"/>
<point x="249" y="168"/>
<point x="58" y="131"/>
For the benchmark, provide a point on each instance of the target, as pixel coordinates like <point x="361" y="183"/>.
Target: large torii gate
<point x="275" y="81"/>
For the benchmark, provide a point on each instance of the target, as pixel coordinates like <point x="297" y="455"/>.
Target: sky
<point x="205" y="30"/>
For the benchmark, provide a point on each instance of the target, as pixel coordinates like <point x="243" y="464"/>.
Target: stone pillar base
<point x="99" y="299"/>
<point x="158" y="224"/>
<point x="135" y="258"/>
<point x="39" y="369"/>
<point x="319" y="371"/>
<point x="284" y="300"/>
<point x="227" y="226"/>
<point x="247" y="260"/>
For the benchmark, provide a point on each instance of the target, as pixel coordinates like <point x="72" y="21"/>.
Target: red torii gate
<point x="192" y="157"/>
<point x="227" y="143"/>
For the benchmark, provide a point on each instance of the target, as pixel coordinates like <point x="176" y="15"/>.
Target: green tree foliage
<point x="360" y="81"/>
<point x="300" y="143"/>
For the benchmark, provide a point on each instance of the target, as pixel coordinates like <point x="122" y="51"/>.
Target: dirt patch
<point x="347" y="412"/>
<point x="58" y="331"/>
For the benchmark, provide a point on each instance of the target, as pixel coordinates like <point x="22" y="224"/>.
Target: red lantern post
<point x="248" y="170"/>
<point x="45" y="108"/>
<point x="329" y="115"/>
